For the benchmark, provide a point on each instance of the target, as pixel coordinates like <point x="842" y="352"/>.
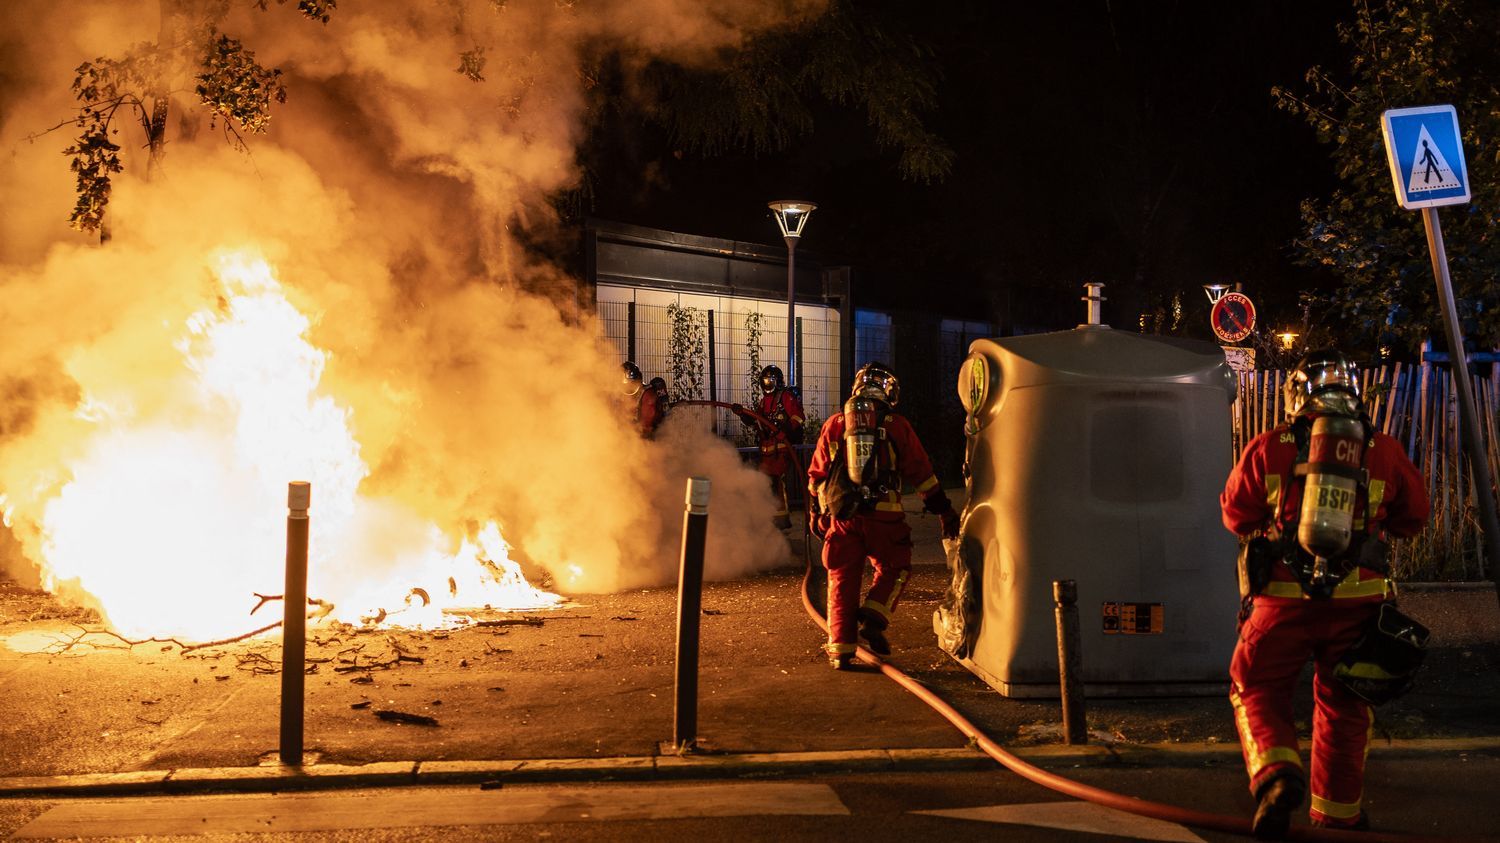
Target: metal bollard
<point x="689" y="608"/>
<point x="294" y="623"/>
<point x="1070" y="662"/>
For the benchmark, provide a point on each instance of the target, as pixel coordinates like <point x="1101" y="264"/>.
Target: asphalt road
<point x="1427" y="796"/>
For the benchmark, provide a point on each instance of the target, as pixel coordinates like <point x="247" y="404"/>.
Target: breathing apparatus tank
<point x="861" y="436"/>
<point x="1335" y="459"/>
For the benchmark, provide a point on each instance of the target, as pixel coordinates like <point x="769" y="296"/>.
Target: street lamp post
<point x="791" y="217"/>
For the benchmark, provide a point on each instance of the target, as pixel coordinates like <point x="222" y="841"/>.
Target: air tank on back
<point x="1095" y="455"/>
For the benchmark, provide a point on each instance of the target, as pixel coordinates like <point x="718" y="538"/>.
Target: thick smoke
<point x="391" y="197"/>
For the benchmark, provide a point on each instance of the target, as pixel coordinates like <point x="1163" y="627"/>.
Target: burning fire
<point x="174" y="518"/>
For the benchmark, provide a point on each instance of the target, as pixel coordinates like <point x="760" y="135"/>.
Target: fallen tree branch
<point x="404" y="717"/>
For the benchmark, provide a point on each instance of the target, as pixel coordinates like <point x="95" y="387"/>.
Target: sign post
<point x="1426" y="154"/>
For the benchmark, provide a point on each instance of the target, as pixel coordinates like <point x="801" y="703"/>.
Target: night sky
<point x="1136" y="144"/>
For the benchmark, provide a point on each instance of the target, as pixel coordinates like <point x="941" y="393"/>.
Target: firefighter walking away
<point x="859" y="464"/>
<point x="778" y="428"/>
<point x="1314" y="501"/>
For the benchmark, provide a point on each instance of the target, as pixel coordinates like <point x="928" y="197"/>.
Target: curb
<point x="518" y="771"/>
<point x="652" y="768"/>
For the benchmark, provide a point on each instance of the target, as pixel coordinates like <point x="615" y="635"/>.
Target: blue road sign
<point x="1426" y="154"/>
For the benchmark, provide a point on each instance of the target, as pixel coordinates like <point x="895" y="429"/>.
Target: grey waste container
<point x="1095" y="455"/>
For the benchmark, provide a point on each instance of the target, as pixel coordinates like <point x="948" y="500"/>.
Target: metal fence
<point x="712" y="358"/>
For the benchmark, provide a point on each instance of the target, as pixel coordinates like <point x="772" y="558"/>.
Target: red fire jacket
<point x="901" y="451"/>
<point x="784" y="402"/>
<point x="1263" y="492"/>
<point x="651" y="410"/>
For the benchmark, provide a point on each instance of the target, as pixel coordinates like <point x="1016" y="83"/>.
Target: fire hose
<point x="1078" y="790"/>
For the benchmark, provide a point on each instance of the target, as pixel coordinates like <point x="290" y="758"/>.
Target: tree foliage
<point x="1403" y="53"/>
<point x="139" y="85"/>
<point x="763" y="98"/>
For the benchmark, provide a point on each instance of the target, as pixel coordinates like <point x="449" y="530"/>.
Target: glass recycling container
<point x="1095" y="455"/>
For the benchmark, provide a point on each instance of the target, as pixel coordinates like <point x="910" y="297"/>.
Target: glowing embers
<point x="175" y="514"/>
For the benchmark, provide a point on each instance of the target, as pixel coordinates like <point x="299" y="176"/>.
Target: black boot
<point x="1278" y="799"/>
<point x="872" y="629"/>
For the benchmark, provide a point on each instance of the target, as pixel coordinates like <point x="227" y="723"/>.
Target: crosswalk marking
<point x="437" y="807"/>
<point x="1075" y="816"/>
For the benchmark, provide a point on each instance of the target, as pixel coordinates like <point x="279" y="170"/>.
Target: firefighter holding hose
<point x="1313" y="501"/>
<point x="777" y="429"/>
<point x="863" y="456"/>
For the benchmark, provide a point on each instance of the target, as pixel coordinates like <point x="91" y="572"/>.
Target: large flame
<point x="175" y="522"/>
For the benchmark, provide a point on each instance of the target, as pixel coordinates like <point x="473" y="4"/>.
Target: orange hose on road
<point x="1078" y="790"/>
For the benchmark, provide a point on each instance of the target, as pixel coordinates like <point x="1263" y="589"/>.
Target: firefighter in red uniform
<point x="1313" y="501"/>
<point x="783" y="409"/>
<point x="649" y="408"/>
<point x="854" y="485"/>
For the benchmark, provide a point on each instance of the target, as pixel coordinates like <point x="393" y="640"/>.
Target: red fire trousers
<point x="1275" y="642"/>
<point x="887" y="544"/>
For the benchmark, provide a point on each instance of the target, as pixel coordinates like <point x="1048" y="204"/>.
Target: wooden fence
<point x="1418" y="405"/>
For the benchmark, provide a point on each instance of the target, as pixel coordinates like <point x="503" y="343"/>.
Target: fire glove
<point x="938" y="504"/>
<point x="950" y="523"/>
<point x="820" y="525"/>
<point x="744" y="414"/>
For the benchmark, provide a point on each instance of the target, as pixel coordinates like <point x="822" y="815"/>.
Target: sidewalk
<point x="586" y="693"/>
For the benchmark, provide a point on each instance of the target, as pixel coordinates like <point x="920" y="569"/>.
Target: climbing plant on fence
<point x="752" y="353"/>
<point x="686" y="352"/>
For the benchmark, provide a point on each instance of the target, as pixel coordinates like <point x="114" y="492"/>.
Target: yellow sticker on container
<point x="1134" y="618"/>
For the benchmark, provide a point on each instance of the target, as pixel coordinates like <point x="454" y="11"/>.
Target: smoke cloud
<point x="390" y="199"/>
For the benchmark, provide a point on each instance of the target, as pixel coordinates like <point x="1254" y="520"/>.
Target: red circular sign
<point x="1233" y="317"/>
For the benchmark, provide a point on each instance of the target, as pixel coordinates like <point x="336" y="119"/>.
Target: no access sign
<point x="1426" y="154"/>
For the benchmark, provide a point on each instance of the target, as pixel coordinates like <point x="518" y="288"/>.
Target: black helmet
<point x="877" y="381"/>
<point x="1325" y="381"/>
<point x="631" y="384"/>
<point x="771" y="379"/>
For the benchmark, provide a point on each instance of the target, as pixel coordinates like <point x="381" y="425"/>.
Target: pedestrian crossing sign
<point x="1426" y="154"/>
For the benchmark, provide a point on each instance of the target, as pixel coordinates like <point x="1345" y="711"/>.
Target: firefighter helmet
<point x="1382" y="664"/>
<point x="631" y="382"/>
<point x="1323" y="382"/>
<point x="771" y="379"/>
<point x="877" y="381"/>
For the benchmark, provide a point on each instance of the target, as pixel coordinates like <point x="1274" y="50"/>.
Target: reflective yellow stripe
<point x="1282" y="588"/>
<point x="900" y="585"/>
<point x="1376" y="494"/>
<point x="1274" y="755"/>
<point x="1336" y="810"/>
<point x="1369" y="731"/>
<point x="927" y="484"/>
<point x="833" y="649"/>
<point x="883" y="608"/>
<point x="797" y="420"/>
<point x="1273" y="494"/>
<point x="1257" y="759"/>
<point x="887" y="506"/>
<point x="1351" y="587"/>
